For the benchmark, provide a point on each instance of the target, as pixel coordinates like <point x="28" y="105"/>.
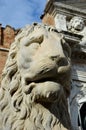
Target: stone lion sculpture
<point x="36" y="81"/>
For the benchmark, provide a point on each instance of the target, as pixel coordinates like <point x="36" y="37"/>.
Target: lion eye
<point x="38" y="39"/>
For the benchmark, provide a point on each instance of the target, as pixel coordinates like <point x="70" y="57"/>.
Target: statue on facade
<point x="77" y="26"/>
<point x="36" y="81"/>
<point x="60" y="22"/>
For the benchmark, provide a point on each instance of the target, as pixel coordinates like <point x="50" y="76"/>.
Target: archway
<point x="83" y="115"/>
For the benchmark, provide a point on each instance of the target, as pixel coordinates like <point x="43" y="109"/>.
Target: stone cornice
<point x="78" y="50"/>
<point x="72" y="37"/>
<point x="79" y="72"/>
<point x="53" y="7"/>
<point x="69" y="10"/>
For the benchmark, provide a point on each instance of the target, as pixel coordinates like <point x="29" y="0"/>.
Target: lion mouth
<point x="40" y="80"/>
<point x="43" y="90"/>
<point x="32" y="84"/>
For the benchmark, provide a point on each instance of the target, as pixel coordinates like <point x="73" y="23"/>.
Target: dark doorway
<point x="83" y="116"/>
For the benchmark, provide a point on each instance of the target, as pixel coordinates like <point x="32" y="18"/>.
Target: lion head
<point x="76" y="24"/>
<point x="36" y="81"/>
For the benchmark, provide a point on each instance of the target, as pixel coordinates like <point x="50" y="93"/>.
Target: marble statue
<point x="77" y="25"/>
<point x="36" y="81"/>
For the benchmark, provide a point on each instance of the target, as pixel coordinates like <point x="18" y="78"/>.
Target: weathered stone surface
<point x="78" y="3"/>
<point x="36" y="81"/>
<point x="77" y="26"/>
<point x="55" y="7"/>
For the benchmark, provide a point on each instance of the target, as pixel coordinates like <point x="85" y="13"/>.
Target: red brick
<point x="48" y="19"/>
<point x="7" y="36"/>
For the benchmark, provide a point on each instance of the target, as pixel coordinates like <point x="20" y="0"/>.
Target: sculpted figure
<point x="77" y="25"/>
<point x="60" y="22"/>
<point x="36" y="81"/>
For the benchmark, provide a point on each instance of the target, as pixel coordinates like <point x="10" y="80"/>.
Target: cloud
<point x="18" y="13"/>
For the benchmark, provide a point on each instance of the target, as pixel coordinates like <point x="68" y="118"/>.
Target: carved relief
<point x="60" y="22"/>
<point x="77" y="25"/>
<point x="36" y="81"/>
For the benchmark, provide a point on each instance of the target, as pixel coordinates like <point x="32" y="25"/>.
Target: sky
<point x="18" y="13"/>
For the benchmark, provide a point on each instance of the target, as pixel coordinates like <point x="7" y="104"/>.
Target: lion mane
<point x="17" y="108"/>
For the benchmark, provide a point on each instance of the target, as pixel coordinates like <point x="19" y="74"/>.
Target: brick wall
<point x="48" y="19"/>
<point x="7" y="36"/>
<point x="3" y="57"/>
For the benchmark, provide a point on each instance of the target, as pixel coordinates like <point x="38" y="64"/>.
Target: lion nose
<point x="47" y="69"/>
<point x="60" y="60"/>
<point x="63" y="64"/>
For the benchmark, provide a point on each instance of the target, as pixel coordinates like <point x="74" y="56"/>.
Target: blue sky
<point x="18" y="13"/>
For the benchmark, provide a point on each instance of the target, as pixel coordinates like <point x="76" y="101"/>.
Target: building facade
<point x="69" y="18"/>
